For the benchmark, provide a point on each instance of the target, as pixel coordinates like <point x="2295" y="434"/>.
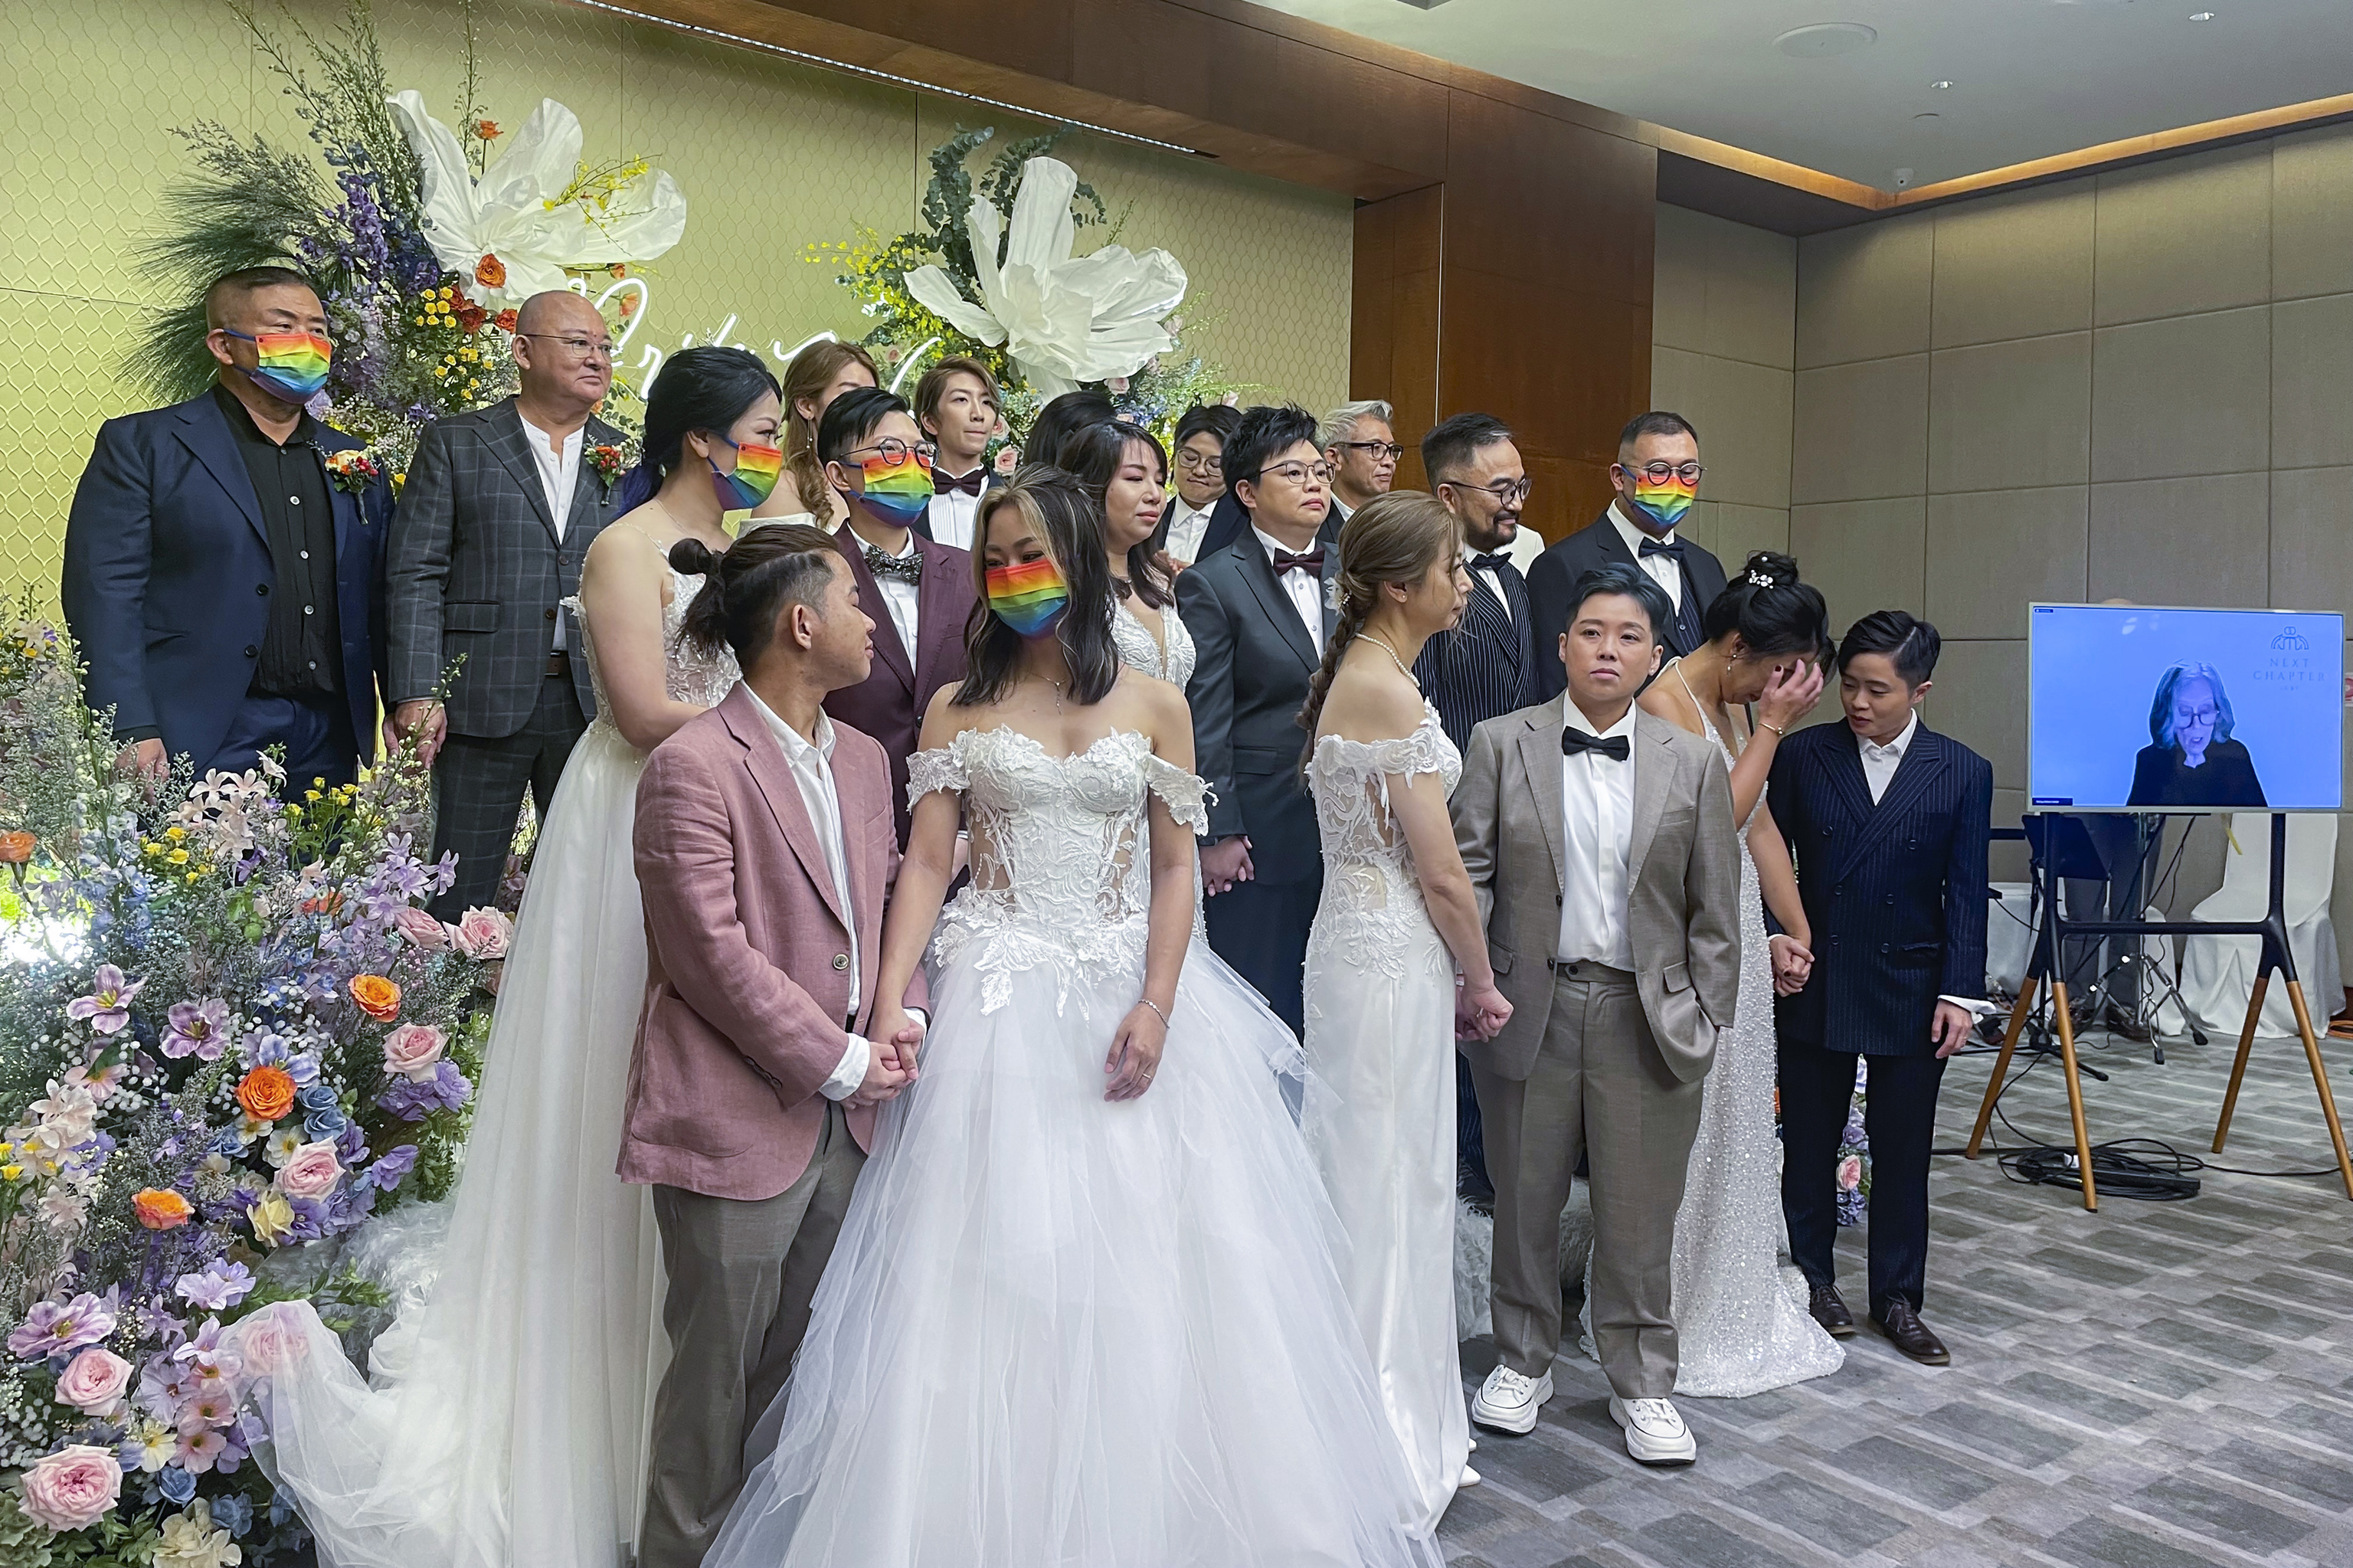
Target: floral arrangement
<point x="229" y="1034"/>
<point x="422" y="246"/>
<point x="991" y="275"/>
<point x="1855" y="1155"/>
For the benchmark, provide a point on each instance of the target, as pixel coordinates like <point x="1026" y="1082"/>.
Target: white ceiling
<point x="2031" y="78"/>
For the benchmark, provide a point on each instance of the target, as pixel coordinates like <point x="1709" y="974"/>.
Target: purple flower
<point x="387" y="1172"/>
<point x="219" y="1288"/>
<point x="52" y="1328"/>
<point x="412" y="1099"/>
<point x="271" y="1050"/>
<point x="197" y="1029"/>
<point x="107" y="1005"/>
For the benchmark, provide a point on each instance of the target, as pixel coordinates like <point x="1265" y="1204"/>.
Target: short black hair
<point x="1621" y="578"/>
<point x="228" y="291"/>
<point x="1910" y="643"/>
<point x="1657" y="422"/>
<point x="1218" y="420"/>
<point x="1061" y="419"/>
<point x="1453" y="442"/>
<point x="1265" y="433"/>
<point x="854" y="416"/>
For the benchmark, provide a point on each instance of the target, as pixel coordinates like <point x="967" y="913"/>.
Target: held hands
<point x="1480" y="1012"/>
<point x="895" y="1039"/>
<point x="1789" y="695"/>
<point x="408" y="717"/>
<point x="1792" y="963"/>
<point x="1225" y="863"/>
<point x="1136" y="1051"/>
<point x="1951" y="1029"/>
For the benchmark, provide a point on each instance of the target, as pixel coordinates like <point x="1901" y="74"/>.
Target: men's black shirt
<point x="301" y="651"/>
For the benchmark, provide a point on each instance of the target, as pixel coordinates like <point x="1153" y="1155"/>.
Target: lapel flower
<point x="608" y="462"/>
<point x="352" y="470"/>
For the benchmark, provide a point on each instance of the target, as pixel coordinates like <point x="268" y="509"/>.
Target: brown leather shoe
<point x="1902" y="1325"/>
<point x="1830" y="1310"/>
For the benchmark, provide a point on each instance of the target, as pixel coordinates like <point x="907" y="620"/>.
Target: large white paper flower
<point x="513" y="215"/>
<point x="1063" y="319"/>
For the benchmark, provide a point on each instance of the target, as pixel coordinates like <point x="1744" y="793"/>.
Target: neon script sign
<point x="650" y="358"/>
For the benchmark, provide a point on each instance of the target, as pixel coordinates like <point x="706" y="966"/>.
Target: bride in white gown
<point x="1083" y="1309"/>
<point x="507" y="1420"/>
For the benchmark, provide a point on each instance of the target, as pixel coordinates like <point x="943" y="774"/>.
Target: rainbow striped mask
<point x="897" y="490"/>
<point x="1030" y="598"/>
<point x="289" y="364"/>
<point x="754" y="475"/>
<point x="1666" y="503"/>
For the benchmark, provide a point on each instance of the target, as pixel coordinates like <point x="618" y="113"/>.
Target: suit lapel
<point x="203" y="429"/>
<point x="1924" y="763"/>
<point x="1654" y="769"/>
<point x="1540" y="762"/>
<point x="588" y="489"/>
<point x="936" y="623"/>
<point x="765" y="759"/>
<point x="1488" y="621"/>
<point x="888" y="644"/>
<point x="513" y="443"/>
<point x="1258" y="572"/>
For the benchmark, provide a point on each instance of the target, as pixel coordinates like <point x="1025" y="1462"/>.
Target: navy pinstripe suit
<point x="1485" y="667"/>
<point x="1895" y="894"/>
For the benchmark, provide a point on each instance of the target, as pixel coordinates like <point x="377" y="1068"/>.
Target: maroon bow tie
<point x="969" y="483"/>
<point x="1312" y="562"/>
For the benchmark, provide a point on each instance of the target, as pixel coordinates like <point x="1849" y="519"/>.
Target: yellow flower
<point x="191" y="878"/>
<point x="153" y="848"/>
<point x="10" y="1172"/>
<point x="272" y="1217"/>
<point x="178" y="857"/>
<point x="176" y="832"/>
<point x="293" y="811"/>
<point x="312" y="795"/>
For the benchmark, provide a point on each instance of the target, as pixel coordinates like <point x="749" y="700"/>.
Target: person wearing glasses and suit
<point x="1656" y="477"/>
<point x="1260" y="614"/>
<point x="500" y="506"/>
<point x="1362" y="448"/>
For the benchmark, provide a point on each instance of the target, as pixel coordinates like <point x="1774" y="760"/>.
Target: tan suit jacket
<point x="1684" y="904"/>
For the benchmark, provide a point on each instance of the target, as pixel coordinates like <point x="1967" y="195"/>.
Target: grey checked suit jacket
<point x="1683" y="908"/>
<point x="474" y="567"/>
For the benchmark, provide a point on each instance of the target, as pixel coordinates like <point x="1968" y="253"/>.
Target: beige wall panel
<point x="1862" y="292"/>
<point x="2312" y="218"/>
<point x="1699" y="526"/>
<point x="2187" y="396"/>
<point x="1745" y="438"/>
<point x="2203" y="541"/>
<point x="2312" y="539"/>
<point x="1679" y="278"/>
<point x="1742" y="529"/>
<point x="1980" y="699"/>
<point x="2312" y="382"/>
<point x="2184" y="235"/>
<point x="2006" y="859"/>
<point x="1752" y="287"/>
<point x="1864" y="555"/>
<point x="2011" y="414"/>
<point x="2015" y="265"/>
<point x="1991" y="552"/>
<point x="1861" y="430"/>
<point x="1678" y="380"/>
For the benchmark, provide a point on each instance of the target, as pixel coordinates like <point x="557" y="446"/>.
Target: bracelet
<point x="1156" y="1006"/>
<point x="1769" y="724"/>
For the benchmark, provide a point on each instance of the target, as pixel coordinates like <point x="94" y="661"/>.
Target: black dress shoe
<point x="1900" y="1323"/>
<point x="1830" y="1311"/>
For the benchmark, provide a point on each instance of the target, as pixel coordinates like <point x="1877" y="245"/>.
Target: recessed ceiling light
<point x="1941" y="86"/>
<point x="1824" y="39"/>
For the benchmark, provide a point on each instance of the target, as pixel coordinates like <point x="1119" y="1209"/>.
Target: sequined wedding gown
<point x="1057" y="1330"/>
<point x="506" y="1425"/>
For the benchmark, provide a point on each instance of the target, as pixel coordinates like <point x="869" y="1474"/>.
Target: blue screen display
<point x="2185" y="710"/>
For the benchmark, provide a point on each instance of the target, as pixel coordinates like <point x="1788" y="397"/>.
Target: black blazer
<point x="1230" y="521"/>
<point x="1249" y="681"/>
<point x="1895" y="893"/>
<point x="1487" y="666"/>
<point x="2226" y="778"/>
<point x="1554" y="573"/>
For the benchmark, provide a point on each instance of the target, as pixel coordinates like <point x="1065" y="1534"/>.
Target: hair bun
<point x="1770" y="569"/>
<point x="693" y="557"/>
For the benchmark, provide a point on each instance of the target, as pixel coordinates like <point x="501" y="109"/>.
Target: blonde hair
<point x="1393" y="539"/>
<point x="810" y="373"/>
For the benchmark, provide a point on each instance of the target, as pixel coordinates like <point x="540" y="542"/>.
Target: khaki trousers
<point x="1601" y="1091"/>
<point x="740" y="1276"/>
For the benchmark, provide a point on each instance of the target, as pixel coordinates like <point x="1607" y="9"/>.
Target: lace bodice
<point x="688" y="675"/>
<point x="1372" y="899"/>
<point x="1061" y="866"/>
<point x="1140" y="652"/>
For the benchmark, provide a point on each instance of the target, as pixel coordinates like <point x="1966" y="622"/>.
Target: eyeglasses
<point x="1505" y="491"/>
<point x="577" y="347"/>
<point x="1298" y="473"/>
<point x="1659" y="472"/>
<point x="1388" y="449"/>
<point x="1192" y="461"/>
<point x="891" y="450"/>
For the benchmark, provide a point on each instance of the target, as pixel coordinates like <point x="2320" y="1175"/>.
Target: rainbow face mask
<point x="1665" y="503"/>
<point x="756" y="468"/>
<point x="1030" y="598"/>
<point x="289" y="364"/>
<point x="896" y="490"/>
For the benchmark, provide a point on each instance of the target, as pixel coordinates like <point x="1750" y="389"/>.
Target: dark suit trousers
<point x="479" y="786"/>
<point x="1260" y="929"/>
<point x="315" y="731"/>
<point x="1900" y="1120"/>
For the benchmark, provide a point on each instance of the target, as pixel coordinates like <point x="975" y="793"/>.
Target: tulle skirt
<point x="508" y="1423"/>
<point x="1060" y="1331"/>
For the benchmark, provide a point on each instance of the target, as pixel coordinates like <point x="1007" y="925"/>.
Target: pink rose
<point x="77" y="1486"/>
<point x="483" y="933"/>
<point x="93" y="1384"/>
<point x="313" y="1172"/>
<point x="412" y="1049"/>
<point x="1851" y="1172"/>
<point x="1116" y="384"/>
<point x="422" y="929"/>
<point x="1009" y="458"/>
<point x="272" y="1338"/>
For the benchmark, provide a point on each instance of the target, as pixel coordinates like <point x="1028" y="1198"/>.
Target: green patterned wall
<point x="771" y="154"/>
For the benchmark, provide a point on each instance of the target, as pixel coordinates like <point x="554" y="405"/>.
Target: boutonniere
<point x="608" y="462"/>
<point x="352" y="470"/>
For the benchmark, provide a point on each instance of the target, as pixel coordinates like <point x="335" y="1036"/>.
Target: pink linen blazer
<point x="747" y="972"/>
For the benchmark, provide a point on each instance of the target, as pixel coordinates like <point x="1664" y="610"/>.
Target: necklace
<point x="1392" y="652"/>
<point x="1057" y="685"/>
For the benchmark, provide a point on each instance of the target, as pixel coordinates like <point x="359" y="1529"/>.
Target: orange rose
<point x="491" y="272"/>
<point x="504" y="321"/>
<point x="16" y="848"/>
<point x="488" y="130"/>
<point x="159" y="1208"/>
<point x="470" y="316"/>
<point x="265" y="1093"/>
<point x="377" y="997"/>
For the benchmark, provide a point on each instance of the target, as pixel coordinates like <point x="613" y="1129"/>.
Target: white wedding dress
<point x="1741" y="1323"/>
<point x="1059" y="1331"/>
<point x="1381" y="1103"/>
<point x="1141" y="652"/>
<point x="507" y="1426"/>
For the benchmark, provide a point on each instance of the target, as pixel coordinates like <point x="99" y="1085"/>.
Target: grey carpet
<point x="2155" y="1385"/>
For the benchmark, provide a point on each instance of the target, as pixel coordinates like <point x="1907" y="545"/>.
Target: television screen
<point x="2131" y="708"/>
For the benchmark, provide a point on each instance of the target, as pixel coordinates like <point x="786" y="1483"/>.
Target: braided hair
<point x="1393" y="538"/>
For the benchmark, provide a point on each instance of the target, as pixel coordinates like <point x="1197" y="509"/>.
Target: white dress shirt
<point x="812" y="767"/>
<point x="1596" y="815"/>
<point x="901" y="597"/>
<point x="1664" y="569"/>
<point x="1188" y="526"/>
<point x="559" y="477"/>
<point x="1305" y="590"/>
<point x="1879" y="766"/>
<point x="953" y="517"/>
<point x="1487" y="577"/>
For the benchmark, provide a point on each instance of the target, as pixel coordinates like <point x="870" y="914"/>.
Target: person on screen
<point x="2194" y="761"/>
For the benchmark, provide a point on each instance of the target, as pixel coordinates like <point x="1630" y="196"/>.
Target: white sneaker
<point x="1508" y="1401"/>
<point x="1655" y="1434"/>
<point x="1469" y="1479"/>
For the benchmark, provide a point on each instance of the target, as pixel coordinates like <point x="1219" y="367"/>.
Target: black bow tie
<point x="970" y="484"/>
<point x="1663" y="548"/>
<point x="907" y="568"/>
<point x="1613" y="746"/>
<point x="1312" y="562"/>
<point x="1495" y="564"/>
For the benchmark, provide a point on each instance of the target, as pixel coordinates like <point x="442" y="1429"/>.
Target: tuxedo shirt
<point x="1597" y="802"/>
<point x="1664" y="569"/>
<point x="899" y="596"/>
<point x="1188" y="526"/>
<point x="1304" y="589"/>
<point x="952" y="517"/>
